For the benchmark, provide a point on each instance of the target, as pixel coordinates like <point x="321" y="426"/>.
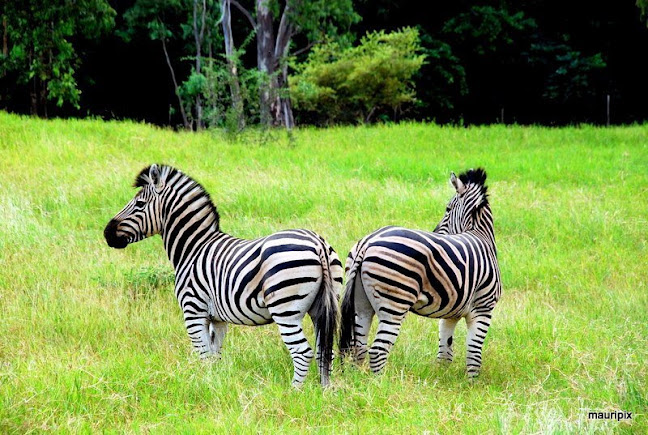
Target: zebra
<point x="221" y="279"/>
<point x="451" y="273"/>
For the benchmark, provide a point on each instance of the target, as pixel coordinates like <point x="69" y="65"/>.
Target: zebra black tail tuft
<point x="325" y="315"/>
<point x="347" y="328"/>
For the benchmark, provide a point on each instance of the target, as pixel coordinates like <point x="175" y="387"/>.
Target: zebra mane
<point x="173" y="176"/>
<point x="476" y="177"/>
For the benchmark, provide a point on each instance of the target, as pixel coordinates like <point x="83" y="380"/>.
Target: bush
<point x="358" y="84"/>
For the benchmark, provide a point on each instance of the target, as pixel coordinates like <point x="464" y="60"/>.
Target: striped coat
<point x="450" y="274"/>
<point x="222" y="279"/>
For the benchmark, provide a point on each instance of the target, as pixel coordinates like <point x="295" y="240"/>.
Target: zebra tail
<point x="347" y="327"/>
<point x="325" y="314"/>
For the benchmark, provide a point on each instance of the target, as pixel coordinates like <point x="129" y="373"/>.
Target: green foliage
<point x="215" y="91"/>
<point x="353" y="84"/>
<point x="159" y="18"/>
<point x="442" y="79"/>
<point x="319" y="19"/>
<point x="488" y="30"/>
<point x="568" y="73"/>
<point x="40" y="37"/>
<point x="490" y="37"/>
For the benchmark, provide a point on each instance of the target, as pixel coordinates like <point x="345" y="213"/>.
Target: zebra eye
<point x="140" y="204"/>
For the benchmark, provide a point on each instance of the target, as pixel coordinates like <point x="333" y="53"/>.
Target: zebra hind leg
<point x="293" y="337"/>
<point x="388" y="330"/>
<point x="446" y="333"/>
<point x="478" y="325"/>
<point x="364" y="314"/>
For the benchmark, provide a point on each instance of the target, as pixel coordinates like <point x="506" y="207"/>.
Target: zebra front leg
<point x="446" y="333"/>
<point x="300" y="351"/>
<point x="478" y="325"/>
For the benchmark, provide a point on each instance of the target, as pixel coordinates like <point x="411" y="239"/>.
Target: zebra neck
<point x="187" y="228"/>
<point x="484" y="228"/>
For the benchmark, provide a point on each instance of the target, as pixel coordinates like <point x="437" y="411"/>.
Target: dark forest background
<point x="529" y="62"/>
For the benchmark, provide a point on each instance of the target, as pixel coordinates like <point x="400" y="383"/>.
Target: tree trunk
<point x="185" y="121"/>
<point x="33" y="97"/>
<point x="5" y="40"/>
<point x="234" y="85"/>
<point x="281" y="107"/>
<point x="43" y="99"/>
<point x="265" y="60"/>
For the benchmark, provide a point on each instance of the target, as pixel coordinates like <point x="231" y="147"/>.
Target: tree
<point x="441" y="81"/>
<point x="347" y="85"/>
<point x="38" y="45"/>
<point x="567" y="73"/>
<point x="156" y="16"/>
<point x="314" y="20"/>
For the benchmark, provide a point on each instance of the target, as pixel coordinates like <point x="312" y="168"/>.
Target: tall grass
<point x="92" y="339"/>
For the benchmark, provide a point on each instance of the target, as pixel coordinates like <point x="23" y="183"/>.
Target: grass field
<point x="92" y="339"/>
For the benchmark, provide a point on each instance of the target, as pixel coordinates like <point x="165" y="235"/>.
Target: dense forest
<point x="207" y="63"/>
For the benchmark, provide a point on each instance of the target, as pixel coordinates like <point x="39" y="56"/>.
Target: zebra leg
<point x="206" y="336"/>
<point x="388" y="329"/>
<point x="364" y="314"/>
<point x="217" y="331"/>
<point x="446" y="332"/>
<point x="293" y="337"/>
<point x="478" y="325"/>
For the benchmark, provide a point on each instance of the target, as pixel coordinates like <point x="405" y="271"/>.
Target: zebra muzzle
<point x="114" y="240"/>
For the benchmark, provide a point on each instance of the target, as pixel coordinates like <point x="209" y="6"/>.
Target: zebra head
<point x="465" y="209"/>
<point x="142" y="216"/>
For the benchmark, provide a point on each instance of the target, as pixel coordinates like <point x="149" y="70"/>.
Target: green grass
<point x="92" y="339"/>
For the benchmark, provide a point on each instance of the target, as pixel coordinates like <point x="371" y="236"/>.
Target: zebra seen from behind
<point x="451" y="273"/>
<point x="221" y="279"/>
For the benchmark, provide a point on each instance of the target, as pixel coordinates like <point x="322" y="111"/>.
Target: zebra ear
<point x="154" y="175"/>
<point x="457" y="183"/>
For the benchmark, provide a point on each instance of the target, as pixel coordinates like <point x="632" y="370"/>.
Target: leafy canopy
<point x="342" y="85"/>
<point x="40" y="37"/>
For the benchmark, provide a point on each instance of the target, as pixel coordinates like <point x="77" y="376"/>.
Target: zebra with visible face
<point x="449" y="274"/>
<point x="220" y="279"/>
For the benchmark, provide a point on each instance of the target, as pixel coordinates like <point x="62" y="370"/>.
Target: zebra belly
<point x="260" y="316"/>
<point x="444" y="305"/>
<point x="249" y="311"/>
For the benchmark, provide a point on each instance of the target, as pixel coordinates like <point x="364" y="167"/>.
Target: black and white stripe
<point x="221" y="279"/>
<point x="451" y="273"/>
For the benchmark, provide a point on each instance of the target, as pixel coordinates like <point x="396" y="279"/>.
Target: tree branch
<point x="204" y="18"/>
<point x="284" y="34"/>
<point x="245" y="12"/>
<point x="304" y="49"/>
<point x="175" y="85"/>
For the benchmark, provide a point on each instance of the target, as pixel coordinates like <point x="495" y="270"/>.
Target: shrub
<point x="358" y="83"/>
